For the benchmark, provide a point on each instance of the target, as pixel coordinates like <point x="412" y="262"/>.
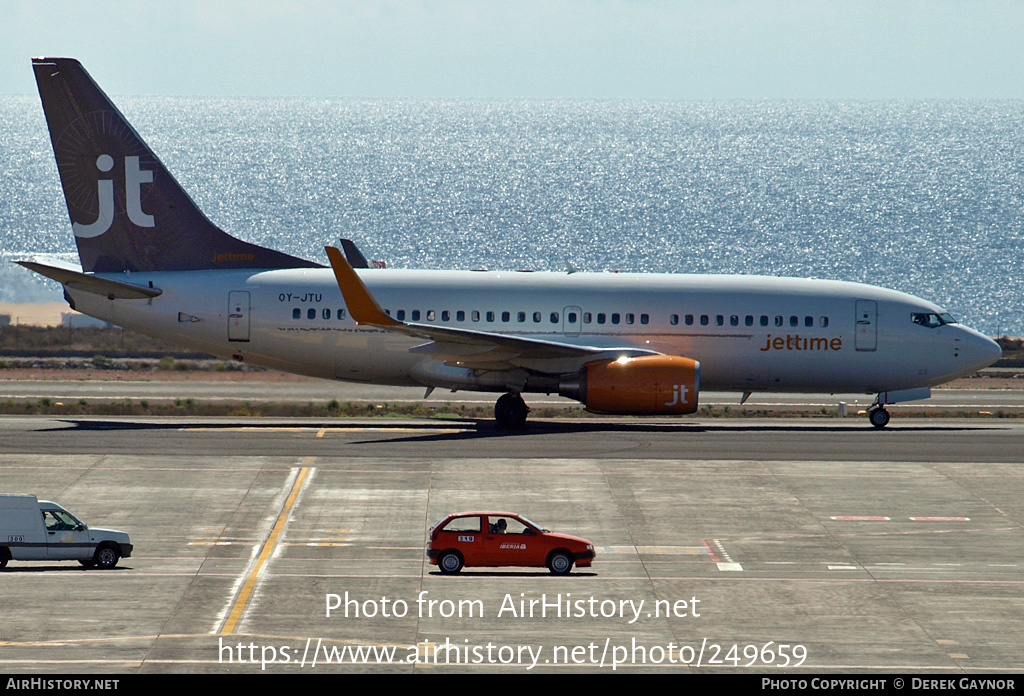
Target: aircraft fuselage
<point x="749" y="333"/>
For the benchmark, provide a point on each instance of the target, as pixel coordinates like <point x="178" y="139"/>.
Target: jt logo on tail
<point x="134" y="178"/>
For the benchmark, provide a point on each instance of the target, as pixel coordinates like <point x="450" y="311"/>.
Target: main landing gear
<point x="511" y="411"/>
<point x="878" y="416"/>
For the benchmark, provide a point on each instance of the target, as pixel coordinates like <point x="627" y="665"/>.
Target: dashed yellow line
<point x="235" y="615"/>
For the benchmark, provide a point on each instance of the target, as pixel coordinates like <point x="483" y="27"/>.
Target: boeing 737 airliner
<point x="619" y="343"/>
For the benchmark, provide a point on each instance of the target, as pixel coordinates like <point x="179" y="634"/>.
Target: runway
<point x="305" y="390"/>
<point x="723" y="545"/>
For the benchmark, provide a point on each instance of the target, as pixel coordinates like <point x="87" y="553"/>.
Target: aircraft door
<point x="867" y="325"/>
<point x="238" y="316"/>
<point x="571" y="318"/>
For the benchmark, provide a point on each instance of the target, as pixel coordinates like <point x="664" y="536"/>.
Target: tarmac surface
<point x="722" y="545"/>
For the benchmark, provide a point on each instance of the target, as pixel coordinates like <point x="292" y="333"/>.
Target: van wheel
<point x="560" y="563"/>
<point x="5" y="556"/>
<point x="87" y="562"/>
<point x="107" y="556"/>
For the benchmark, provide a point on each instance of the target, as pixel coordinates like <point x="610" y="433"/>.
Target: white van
<point x="38" y="530"/>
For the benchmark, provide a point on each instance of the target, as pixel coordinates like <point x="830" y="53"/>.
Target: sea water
<point x="920" y="196"/>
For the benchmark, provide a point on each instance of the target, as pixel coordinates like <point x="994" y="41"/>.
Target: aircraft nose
<point x="980" y="350"/>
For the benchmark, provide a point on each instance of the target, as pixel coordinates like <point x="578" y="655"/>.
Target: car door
<point x="509" y="542"/>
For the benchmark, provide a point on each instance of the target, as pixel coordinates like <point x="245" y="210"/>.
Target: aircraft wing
<point x="466" y="347"/>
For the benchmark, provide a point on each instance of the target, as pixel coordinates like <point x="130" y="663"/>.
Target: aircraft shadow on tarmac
<point x="487" y="428"/>
<point x="471" y="429"/>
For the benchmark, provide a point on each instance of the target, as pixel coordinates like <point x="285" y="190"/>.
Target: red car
<point x="503" y="539"/>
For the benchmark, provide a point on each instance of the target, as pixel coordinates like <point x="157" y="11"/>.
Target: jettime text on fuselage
<point x="798" y="342"/>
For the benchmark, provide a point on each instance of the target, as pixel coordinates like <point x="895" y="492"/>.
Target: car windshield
<point x="532" y="523"/>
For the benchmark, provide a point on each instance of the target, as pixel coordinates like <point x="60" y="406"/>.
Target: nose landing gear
<point x="510" y="411"/>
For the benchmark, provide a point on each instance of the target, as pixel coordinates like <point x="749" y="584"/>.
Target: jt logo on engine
<point x="134" y="178"/>
<point x="678" y="395"/>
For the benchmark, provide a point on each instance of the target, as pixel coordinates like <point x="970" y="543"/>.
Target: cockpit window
<point x="931" y="320"/>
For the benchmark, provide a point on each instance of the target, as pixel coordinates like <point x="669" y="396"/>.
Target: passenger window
<point x="674" y="319"/>
<point x="521" y="316"/>
<point x="536" y="317"/>
<point x="794" y="321"/>
<point x="600" y="317"/>
<point x="689" y="319"/>
<point x="644" y="319"/>
<point x="629" y="318"/>
<point x="341" y="314"/>
<point x="296" y="313"/>
<point x="571" y="317"/>
<point x="463" y="524"/>
<point x="326" y="313"/>
<point x="778" y="320"/>
<point x="490" y="317"/>
<point x="586" y="318"/>
<point x="506" y="316"/>
<point x="401" y="315"/>
<point x="719" y="320"/>
<point x="824" y="322"/>
<point x="734" y="320"/>
<point x="460" y="315"/>
<point x="703" y="319"/>
<point x="430" y="315"/>
<point x="615" y="317"/>
<point x="446" y="315"/>
<point x="748" y="320"/>
<point x="808" y="321"/>
<point x="311" y="313"/>
<point x="554" y="317"/>
<point x="415" y="315"/>
<point x="764" y="320"/>
<point x="475" y="315"/>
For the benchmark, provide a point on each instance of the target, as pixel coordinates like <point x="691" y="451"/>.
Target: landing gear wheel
<point x="560" y="563"/>
<point x="510" y="412"/>
<point x="879" y="417"/>
<point x="450" y="562"/>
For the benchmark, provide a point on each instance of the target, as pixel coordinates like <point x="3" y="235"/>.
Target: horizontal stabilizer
<point x="112" y="289"/>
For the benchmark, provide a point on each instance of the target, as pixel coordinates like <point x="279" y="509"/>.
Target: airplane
<point x="619" y="343"/>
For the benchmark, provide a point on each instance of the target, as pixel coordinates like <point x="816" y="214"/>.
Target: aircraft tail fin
<point x="127" y="211"/>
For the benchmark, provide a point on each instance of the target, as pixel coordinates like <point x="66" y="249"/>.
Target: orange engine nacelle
<point x="645" y="385"/>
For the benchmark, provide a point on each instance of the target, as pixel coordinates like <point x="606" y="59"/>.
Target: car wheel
<point x="560" y="563"/>
<point x="450" y="562"/>
<point x="106" y="556"/>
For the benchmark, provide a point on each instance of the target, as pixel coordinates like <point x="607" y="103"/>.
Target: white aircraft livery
<point x="620" y="343"/>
